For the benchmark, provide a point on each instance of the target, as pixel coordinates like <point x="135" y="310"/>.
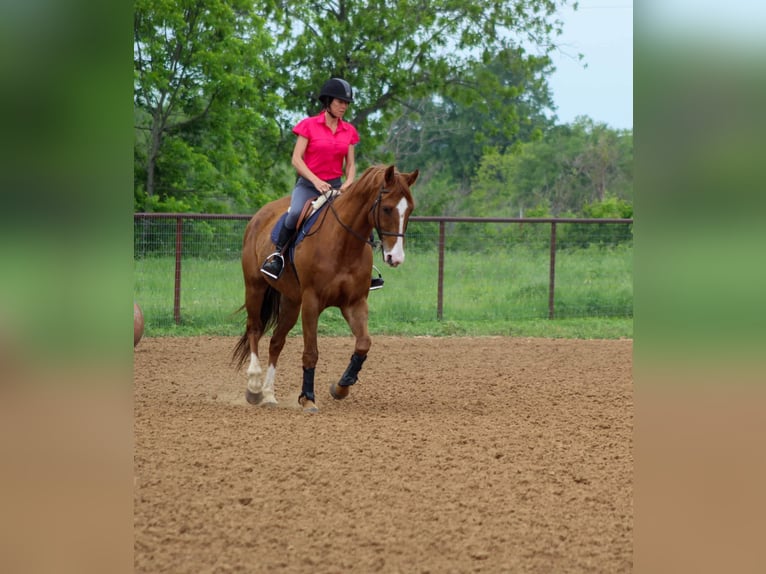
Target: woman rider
<point x="325" y="146"/>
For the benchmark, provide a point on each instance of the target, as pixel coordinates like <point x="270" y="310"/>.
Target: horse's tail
<point x="241" y="349"/>
<point x="269" y="316"/>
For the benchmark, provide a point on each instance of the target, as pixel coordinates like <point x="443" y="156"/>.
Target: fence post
<point x="440" y="282"/>
<point x="552" y="271"/>
<point x="177" y="291"/>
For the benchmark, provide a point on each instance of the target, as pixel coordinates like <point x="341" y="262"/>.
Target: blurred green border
<point x="700" y="279"/>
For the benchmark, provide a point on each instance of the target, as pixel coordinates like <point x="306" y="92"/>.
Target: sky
<point x="601" y="30"/>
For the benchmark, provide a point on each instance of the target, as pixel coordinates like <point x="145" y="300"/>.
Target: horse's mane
<point x="372" y="177"/>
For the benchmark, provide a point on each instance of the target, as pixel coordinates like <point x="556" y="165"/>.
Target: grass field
<point x="484" y="294"/>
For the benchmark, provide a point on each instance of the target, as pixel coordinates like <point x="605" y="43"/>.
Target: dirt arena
<point x="450" y="455"/>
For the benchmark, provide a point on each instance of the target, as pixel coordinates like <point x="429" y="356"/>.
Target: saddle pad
<point x="302" y="232"/>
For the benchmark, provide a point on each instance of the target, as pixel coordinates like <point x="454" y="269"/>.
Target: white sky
<point x="601" y="30"/>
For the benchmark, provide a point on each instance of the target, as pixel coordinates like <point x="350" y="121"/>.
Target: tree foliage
<point x="203" y="101"/>
<point x="494" y="106"/>
<point x="455" y="88"/>
<point x="400" y="51"/>
<point x="569" y="167"/>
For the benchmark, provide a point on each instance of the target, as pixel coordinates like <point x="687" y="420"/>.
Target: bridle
<point x="375" y="210"/>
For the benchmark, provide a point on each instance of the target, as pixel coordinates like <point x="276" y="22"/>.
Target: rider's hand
<point x="323" y="187"/>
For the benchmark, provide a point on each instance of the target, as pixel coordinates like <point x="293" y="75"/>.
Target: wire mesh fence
<point x="458" y="270"/>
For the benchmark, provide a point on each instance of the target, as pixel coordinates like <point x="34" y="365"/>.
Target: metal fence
<point x="187" y="237"/>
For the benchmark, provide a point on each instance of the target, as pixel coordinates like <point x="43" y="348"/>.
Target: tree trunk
<point x="151" y="162"/>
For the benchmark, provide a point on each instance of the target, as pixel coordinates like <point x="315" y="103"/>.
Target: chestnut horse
<point x="332" y="267"/>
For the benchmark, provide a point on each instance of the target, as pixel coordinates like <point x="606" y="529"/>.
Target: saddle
<point x="307" y="218"/>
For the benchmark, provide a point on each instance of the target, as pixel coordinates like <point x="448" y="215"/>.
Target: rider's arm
<point x="300" y="166"/>
<point x="350" y="169"/>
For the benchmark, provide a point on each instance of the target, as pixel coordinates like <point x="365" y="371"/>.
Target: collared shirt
<point x="326" y="151"/>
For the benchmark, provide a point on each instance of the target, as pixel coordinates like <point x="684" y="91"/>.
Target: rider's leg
<point x="275" y="262"/>
<point x="302" y="192"/>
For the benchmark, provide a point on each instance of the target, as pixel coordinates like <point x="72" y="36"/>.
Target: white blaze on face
<point x="395" y="255"/>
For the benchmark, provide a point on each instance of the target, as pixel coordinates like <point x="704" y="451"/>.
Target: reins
<point x="375" y="218"/>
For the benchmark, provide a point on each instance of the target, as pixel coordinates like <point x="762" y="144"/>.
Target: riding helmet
<point x="338" y="89"/>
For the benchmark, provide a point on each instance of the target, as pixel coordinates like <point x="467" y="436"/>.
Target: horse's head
<point x="391" y="213"/>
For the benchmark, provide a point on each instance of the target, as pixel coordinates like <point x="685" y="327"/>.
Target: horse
<point x="331" y="267"/>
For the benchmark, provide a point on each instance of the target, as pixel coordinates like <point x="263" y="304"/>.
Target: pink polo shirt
<point x="326" y="151"/>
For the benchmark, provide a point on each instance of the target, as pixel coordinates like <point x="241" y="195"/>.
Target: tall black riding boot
<point x="275" y="262"/>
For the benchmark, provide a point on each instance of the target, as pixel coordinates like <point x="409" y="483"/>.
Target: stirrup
<point x="376" y="282"/>
<point x="271" y="259"/>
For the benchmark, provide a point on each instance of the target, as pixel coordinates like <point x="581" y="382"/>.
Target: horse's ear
<point x="390" y="175"/>
<point x="412" y="177"/>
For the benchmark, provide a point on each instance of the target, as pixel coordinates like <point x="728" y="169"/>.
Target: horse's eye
<point x="388" y="210"/>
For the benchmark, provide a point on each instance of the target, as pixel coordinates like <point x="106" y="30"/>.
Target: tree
<point x="570" y="167"/>
<point x="203" y="100"/>
<point x="603" y="157"/>
<point x="495" y="106"/>
<point x="396" y="52"/>
<point x="219" y="84"/>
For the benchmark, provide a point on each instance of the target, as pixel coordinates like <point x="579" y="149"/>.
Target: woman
<point x="325" y="147"/>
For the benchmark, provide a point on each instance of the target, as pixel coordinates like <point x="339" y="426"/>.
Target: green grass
<point x="503" y="293"/>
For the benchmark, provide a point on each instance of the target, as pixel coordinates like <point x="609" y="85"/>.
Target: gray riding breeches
<point x="302" y="192"/>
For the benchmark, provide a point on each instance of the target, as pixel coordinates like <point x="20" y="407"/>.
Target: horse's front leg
<point x="310" y="320"/>
<point x="356" y="317"/>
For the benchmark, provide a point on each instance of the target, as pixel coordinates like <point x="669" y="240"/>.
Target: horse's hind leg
<point x="254" y="300"/>
<point x="288" y="315"/>
<point x="262" y="303"/>
<point x="254" y="389"/>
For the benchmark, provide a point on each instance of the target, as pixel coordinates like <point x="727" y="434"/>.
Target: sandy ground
<point x="450" y="455"/>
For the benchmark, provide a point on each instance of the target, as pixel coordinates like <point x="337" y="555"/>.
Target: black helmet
<point x="338" y="89"/>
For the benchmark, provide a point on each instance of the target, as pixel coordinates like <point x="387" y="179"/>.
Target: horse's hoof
<point x="268" y="400"/>
<point x="337" y="392"/>
<point x="253" y="398"/>
<point x="308" y="406"/>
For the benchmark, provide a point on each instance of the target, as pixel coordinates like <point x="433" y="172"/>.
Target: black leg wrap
<point x="308" y="384"/>
<point x="352" y="371"/>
